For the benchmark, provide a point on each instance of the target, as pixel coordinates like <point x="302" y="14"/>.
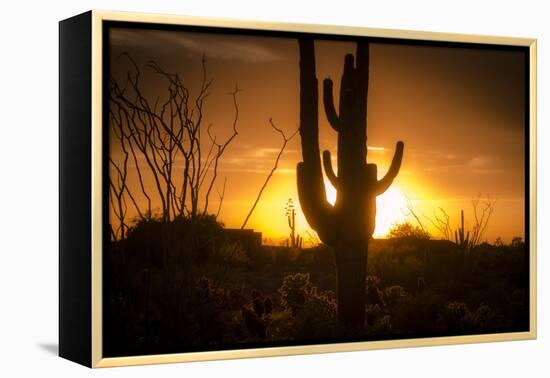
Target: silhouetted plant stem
<point x="268" y="178"/>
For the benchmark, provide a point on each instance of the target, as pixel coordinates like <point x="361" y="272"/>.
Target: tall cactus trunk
<point x="347" y="226"/>
<point x="351" y="271"/>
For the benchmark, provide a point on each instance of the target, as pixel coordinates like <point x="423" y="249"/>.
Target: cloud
<point x="374" y="148"/>
<point x="270" y="152"/>
<point x="488" y="171"/>
<point x="217" y="46"/>
<point x="259" y="170"/>
<point x="480" y="165"/>
<point x="478" y="161"/>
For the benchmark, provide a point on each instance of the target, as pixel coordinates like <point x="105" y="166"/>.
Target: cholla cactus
<point x="290" y="212"/>
<point x="294" y="291"/>
<point x="394" y="294"/>
<point x="257" y="314"/>
<point x="255" y="325"/>
<point x="299" y="296"/>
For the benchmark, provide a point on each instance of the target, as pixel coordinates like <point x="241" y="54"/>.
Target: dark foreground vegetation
<point x="186" y="286"/>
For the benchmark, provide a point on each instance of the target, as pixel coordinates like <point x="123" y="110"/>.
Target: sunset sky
<point x="459" y="111"/>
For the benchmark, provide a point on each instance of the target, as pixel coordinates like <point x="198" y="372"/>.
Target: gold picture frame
<point x="91" y="328"/>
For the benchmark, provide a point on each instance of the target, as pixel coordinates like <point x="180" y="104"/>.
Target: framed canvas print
<point x="235" y="189"/>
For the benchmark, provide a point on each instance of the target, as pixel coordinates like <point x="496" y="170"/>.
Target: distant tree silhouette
<point x="517" y="242"/>
<point x="348" y="225"/>
<point x="408" y="230"/>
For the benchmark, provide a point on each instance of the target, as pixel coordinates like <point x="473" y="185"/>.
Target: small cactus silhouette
<point x="290" y="212"/>
<point x="462" y="238"/>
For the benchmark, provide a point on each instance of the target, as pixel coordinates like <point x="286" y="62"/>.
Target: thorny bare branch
<point x="441" y="221"/>
<point x="163" y="140"/>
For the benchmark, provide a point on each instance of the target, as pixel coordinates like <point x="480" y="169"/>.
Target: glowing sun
<point x="389" y="208"/>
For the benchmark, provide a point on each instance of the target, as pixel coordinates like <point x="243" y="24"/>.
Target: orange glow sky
<point x="459" y="111"/>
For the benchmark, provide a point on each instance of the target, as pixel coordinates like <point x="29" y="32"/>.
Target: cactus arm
<point x="383" y="184"/>
<point x="309" y="115"/>
<point x="362" y="63"/>
<point x="327" y="163"/>
<point x="311" y="187"/>
<point x="317" y="210"/>
<point x="328" y="101"/>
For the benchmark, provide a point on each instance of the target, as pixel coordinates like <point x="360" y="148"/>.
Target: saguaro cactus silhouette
<point x="348" y="225"/>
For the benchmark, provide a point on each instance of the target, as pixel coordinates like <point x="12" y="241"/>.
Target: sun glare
<point x="331" y="192"/>
<point x="389" y="210"/>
